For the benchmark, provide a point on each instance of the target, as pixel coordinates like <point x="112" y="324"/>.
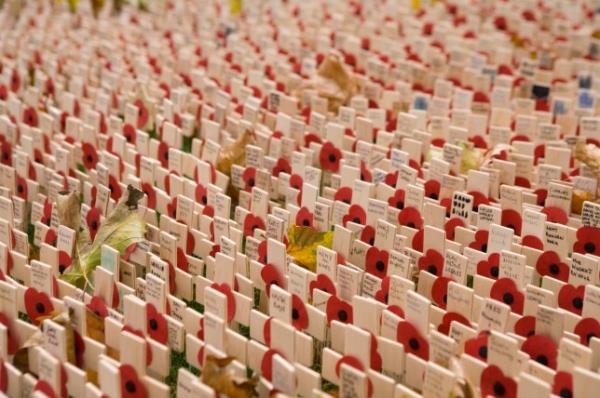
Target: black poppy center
<point x="372" y="241"/>
<point x="386" y="297"/>
<point x="432" y="269"/>
<point x="89" y="158"/>
<point x="590" y="335"/>
<point x="399" y="204"/>
<point x="61" y="268"/>
<point x="306" y="222"/>
<point x="542" y="359"/>
<point x="554" y="269"/>
<point x="433" y="196"/>
<point x="251" y="182"/>
<point x="494" y="271"/>
<point x="342" y="315"/>
<point x="483" y="352"/>
<point x="130" y="386"/>
<point x="411" y="225"/>
<point x="511" y="226"/>
<point x="5" y="155"/>
<point x="589" y="247"/>
<point x="332" y="158"/>
<point x="295" y="314"/>
<point x="499" y="388"/>
<point x="166" y="155"/>
<point x="356" y="220"/>
<point x="94" y="224"/>
<point x="565" y="393"/>
<point x="578" y="303"/>
<point x="153" y="324"/>
<point x="484" y="247"/>
<point x="20" y="188"/>
<point x="508" y="298"/>
<point x="204" y="200"/>
<point x="40" y="308"/>
<point x="380" y="266"/>
<point x="413" y="343"/>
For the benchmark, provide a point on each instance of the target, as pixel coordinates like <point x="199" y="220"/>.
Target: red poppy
<point x="150" y="193"/>
<point x="15" y="81"/>
<point x="525" y="326"/>
<point x="296" y="182"/>
<point x="338" y="310"/>
<point x="493" y="383"/>
<point x="11" y="340"/>
<point x="356" y="214"/>
<point x="522" y="182"/>
<point x="450" y="317"/>
<point x="377" y="262"/>
<point x="439" y="291"/>
<point x="330" y="157"/>
<point x="30" y="117"/>
<point x="397" y="200"/>
<point x="365" y="174"/>
<point x="266" y="364"/>
<point x="64" y="261"/>
<point x="549" y="264"/>
<point x="37" y="305"/>
<point x="432" y="189"/>
<point x="541" y="349"/>
<point x="367" y="235"/>
<point x="251" y="222"/>
<point x="416" y="166"/>
<point x="115" y="188"/>
<point x="3" y="377"/>
<point x="541" y="195"/>
<point x="417" y="241"/>
<point x="172" y="208"/>
<point x="432" y="262"/>
<point x="249" y="178"/>
<point x="480" y="242"/>
<point x="324" y="283"/>
<point x="21" y="187"/>
<point x="477" y="346"/>
<point x="505" y="290"/>
<point x="271" y="276"/>
<point x="478" y="141"/>
<point x="131" y="385"/>
<point x="412" y="340"/>
<point x="50" y="237"/>
<point x="451" y="225"/>
<point x="587" y="328"/>
<point x="299" y="314"/>
<point x="511" y="219"/>
<point x="343" y="194"/>
<point x="43" y="387"/>
<point x="282" y="165"/>
<point x="304" y="217"/>
<point x="382" y="294"/>
<point x="226" y="290"/>
<point x="92" y="220"/>
<point x="3" y="92"/>
<point x="163" y="154"/>
<point x="478" y="199"/>
<point x="98" y="306"/>
<point x="310" y="138"/>
<point x="410" y="217"/>
<point x="142" y="113"/>
<point x="89" y="156"/>
<point x="533" y="242"/>
<point x="570" y="298"/>
<point x="556" y="215"/>
<point x="489" y="268"/>
<point x="355" y="363"/>
<point x="6" y="149"/>
<point x="563" y="384"/>
<point x="588" y="239"/>
<point x="156" y="326"/>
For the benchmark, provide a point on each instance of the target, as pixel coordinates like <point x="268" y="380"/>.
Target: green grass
<point x="178" y="361"/>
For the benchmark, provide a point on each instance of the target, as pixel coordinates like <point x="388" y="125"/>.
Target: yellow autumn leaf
<point x="303" y="243"/>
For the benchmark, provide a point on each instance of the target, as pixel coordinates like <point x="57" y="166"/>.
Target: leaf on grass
<point x="303" y="243"/>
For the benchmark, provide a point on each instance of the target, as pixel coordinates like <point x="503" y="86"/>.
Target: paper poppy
<point x="489" y="268"/>
<point x="397" y="200"/>
<point x="493" y="383"/>
<point x="511" y="219"/>
<point x="432" y="262"/>
<point x="37" y="305"/>
<point x="172" y="208"/>
<point x="365" y="173"/>
<point x="249" y="178"/>
<point x="451" y="225"/>
<point x="587" y="328"/>
<point x="477" y="346"/>
<point x="330" y="157"/>
<point x="541" y="194"/>
<point x="448" y="318"/>
<point x="343" y="194"/>
<point x="413" y="164"/>
<point x="6" y="153"/>
<point x="201" y="194"/>
<point x="439" y="291"/>
<point x="163" y="154"/>
<point x="271" y="276"/>
<point x="391" y="178"/>
<point x="142" y="113"/>
<point x="97" y="305"/>
<point x="51" y="237"/>
<point x="3" y="375"/>
<point x="478" y="141"/>
<point x="115" y="188"/>
<point x="21" y="187"/>
<point x="30" y="117"/>
<point x="11" y="340"/>
<point x="156" y="325"/>
<point x="367" y="235"/>
<point x="251" y="222"/>
<point x="15" y="81"/>
<point x="299" y="314"/>
<point x="226" y="290"/>
<point x="92" y="220"/>
<point x="505" y="290"/>
<point x="417" y="241"/>
<point x="381" y="295"/>
<point x="563" y="384"/>
<point x="304" y="217"/>
<point x="282" y="165"/>
<point x="356" y="214"/>
<point x="525" y="326"/>
<point x="64" y="261"/>
<point x="44" y="387"/>
<point x="412" y="340"/>
<point x="541" y="349"/>
<point x="432" y="189"/>
<point x="522" y="182"/>
<point x="89" y="156"/>
<point x="266" y="364"/>
<point x="556" y="215"/>
<point x="324" y="283"/>
<point x="296" y="182"/>
<point x="338" y="310"/>
<point x="355" y="363"/>
<point x="533" y="242"/>
<point x="377" y="262"/>
<point x="150" y="193"/>
<point x="481" y="240"/>
<point x="570" y="298"/>
<point x="548" y="263"/>
<point x="3" y="92"/>
<point x="129" y="133"/>
<point x="478" y="199"/>
<point x="410" y="217"/>
<point x="262" y="252"/>
<point x="131" y="385"/>
<point x="588" y="241"/>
